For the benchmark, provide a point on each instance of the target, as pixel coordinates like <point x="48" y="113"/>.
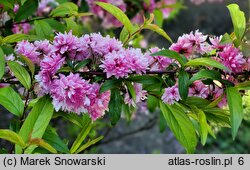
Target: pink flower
<point x="232" y="58"/>
<point x="29" y="50"/>
<point x="23" y="28"/>
<point x="49" y="66"/>
<point x="70" y="93"/>
<point x="171" y="95"/>
<point x="16" y="8"/>
<point x="140" y="95"/>
<point x="96" y="46"/>
<point x="44" y="47"/>
<point x="123" y="62"/>
<point x="99" y="103"/>
<point x="116" y="64"/>
<point x="65" y="42"/>
<point x="191" y="44"/>
<point x="150" y="6"/>
<point x="199" y="90"/>
<point x="158" y="63"/>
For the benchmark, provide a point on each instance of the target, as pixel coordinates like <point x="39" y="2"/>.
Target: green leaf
<point x="152" y="103"/>
<point x="110" y="84"/>
<point x="20" y="73"/>
<point x="16" y="38"/>
<point x="88" y="144"/>
<point x="11" y="137"/>
<point x="82" y="64"/>
<point x="131" y="90"/>
<point x="26" y="10"/>
<point x="206" y="74"/>
<point x="181" y="126"/>
<point x="30" y="64"/>
<point x="115" y="106"/>
<point x="158" y="30"/>
<point x="64" y="9"/>
<point x="183" y="79"/>
<point x="56" y="25"/>
<point x="42" y="29"/>
<point x="171" y="54"/>
<point x="52" y="138"/>
<point x="220" y="117"/>
<point x="73" y="118"/>
<point x="83" y="134"/>
<point x="11" y="101"/>
<point x="72" y="26"/>
<point x="207" y="62"/>
<point x="203" y="124"/>
<point x="145" y="79"/>
<point x="118" y="14"/>
<point x="158" y="17"/>
<point x="234" y="100"/>
<point x="125" y="34"/>
<point x="36" y="123"/>
<point x="196" y="101"/>
<point x="2" y="63"/>
<point x="238" y="19"/>
<point x="243" y="86"/>
<point x="43" y="144"/>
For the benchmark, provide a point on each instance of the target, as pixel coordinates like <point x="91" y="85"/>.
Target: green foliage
<point x="119" y="14"/>
<point x="171" y="54"/>
<point x="206" y="74"/>
<point x="65" y="9"/>
<point x="2" y="63"/>
<point x="11" y="101"/>
<point x="83" y="134"/>
<point x="43" y="144"/>
<point x="115" y="106"/>
<point x="207" y="62"/>
<point x="43" y="29"/>
<point x="158" y="30"/>
<point x="110" y="84"/>
<point x="180" y="125"/>
<point x="238" y="19"/>
<point x="183" y="85"/>
<point x="36" y="123"/>
<point x="234" y="100"/>
<point x="20" y="73"/>
<point x="12" y="137"/>
<point x="26" y="10"/>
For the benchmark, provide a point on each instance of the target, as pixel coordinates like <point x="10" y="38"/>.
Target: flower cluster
<point x="195" y="45"/>
<point x="72" y="93"/>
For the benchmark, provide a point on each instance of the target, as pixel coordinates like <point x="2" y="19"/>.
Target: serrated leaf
<point x="11" y="101"/>
<point x="36" y="123"/>
<point x="115" y="106"/>
<point x="206" y="74"/>
<point x="207" y="62"/>
<point x="171" y="54"/>
<point x="238" y="19"/>
<point x="183" y="85"/>
<point x="2" y="63"/>
<point x="42" y="29"/>
<point x="20" y="73"/>
<point x="118" y="14"/>
<point x="181" y="126"/>
<point x="83" y="134"/>
<point x="64" y="9"/>
<point x="88" y="144"/>
<point x="52" y="138"/>
<point x="234" y="100"/>
<point x="43" y="144"/>
<point x="26" y="10"/>
<point x="11" y="137"/>
<point x="158" y="30"/>
<point x="110" y="84"/>
<point x="30" y="64"/>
